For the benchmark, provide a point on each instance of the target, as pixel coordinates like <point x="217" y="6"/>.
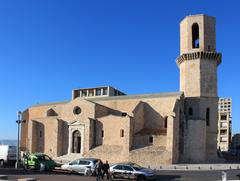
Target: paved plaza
<point x="164" y="175"/>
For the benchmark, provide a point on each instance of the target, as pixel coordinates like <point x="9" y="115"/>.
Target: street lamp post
<point x="19" y="122"/>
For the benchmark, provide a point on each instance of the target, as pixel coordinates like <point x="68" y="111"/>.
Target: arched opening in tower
<point x="195" y="35"/>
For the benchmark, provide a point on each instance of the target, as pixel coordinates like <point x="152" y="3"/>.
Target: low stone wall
<point x="147" y="156"/>
<point x="150" y="156"/>
<point x="113" y="153"/>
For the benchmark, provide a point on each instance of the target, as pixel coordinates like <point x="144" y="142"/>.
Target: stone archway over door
<point x="76" y="142"/>
<point x="76" y="132"/>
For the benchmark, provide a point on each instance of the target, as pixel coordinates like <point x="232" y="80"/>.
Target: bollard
<point x="175" y="167"/>
<point x="210" y="167"/>
<point x="224" y="176"/>
<point x="160" y="167"/>
<point x="186" y="167"/>
<point x="230" y="168"/>
<point x="199" y="168"/>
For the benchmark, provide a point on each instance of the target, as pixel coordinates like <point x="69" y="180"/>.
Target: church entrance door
<point x="76" y="142"/>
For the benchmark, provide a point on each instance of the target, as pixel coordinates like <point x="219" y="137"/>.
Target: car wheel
<point x="141" y="177"/>
<point x="1" y="163"/>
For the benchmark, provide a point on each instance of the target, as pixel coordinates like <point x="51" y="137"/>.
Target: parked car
<point x="39" y="161"/>
<point x="83" y="166"/>
<point x="7" y="154"/>
<point x="131" y="171"/>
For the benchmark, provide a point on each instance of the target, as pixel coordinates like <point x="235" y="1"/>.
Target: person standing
<point x="98" y="170"/>
<point x="106" y="170"/>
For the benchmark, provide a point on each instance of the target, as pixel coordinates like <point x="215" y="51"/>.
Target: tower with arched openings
<point x="198" y="62"/>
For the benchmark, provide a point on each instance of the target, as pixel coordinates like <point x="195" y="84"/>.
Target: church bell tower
<point x="198" y="62"/>
<point x="198" y="59"/>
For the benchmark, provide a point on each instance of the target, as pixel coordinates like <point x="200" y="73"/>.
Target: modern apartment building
<point x="224" y="123"/>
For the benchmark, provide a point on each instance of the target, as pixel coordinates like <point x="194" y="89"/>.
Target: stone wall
<point x="139" y="114"/>
<point x="195" y="141"/>
<point x="152" y="156"/>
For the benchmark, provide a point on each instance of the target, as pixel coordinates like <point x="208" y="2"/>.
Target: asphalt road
<point x="14" y="174"/>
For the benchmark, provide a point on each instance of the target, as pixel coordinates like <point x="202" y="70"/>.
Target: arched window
<point x="165" y="122"/>
<point x="195" y="36"/>
<point x="190" y="111"/>
<point x="208" y="117"/>
<point x="121" y="133"/>
<point x="76" y="142"/>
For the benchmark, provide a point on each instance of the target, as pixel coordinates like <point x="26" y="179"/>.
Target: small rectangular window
<point x="209" y="48"/>
<point x="150" y="140"/>
<point x="223" y="117"/>
<point x="91" y="92"/>
<point x="76" y="94"/>
<point x="98" y="92"/>
<point x="165" y="122"/>
<point x="208" y="117"/>
<point x="102" y="134"/>
<point x="223" y="132"/>
<point x="84" y="93"/>
<point x="40" y="134"/>
<point x="105" y="91"/>
<point x="121" y="133"/>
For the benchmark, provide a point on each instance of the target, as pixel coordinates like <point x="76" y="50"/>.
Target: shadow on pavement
<point x="238" y="176"/>
<point x="168" y="177"/>
<point x="13" y="171"/>
<point x="160" y="177"/>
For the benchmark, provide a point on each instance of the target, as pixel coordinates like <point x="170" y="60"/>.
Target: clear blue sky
<point x="49" y="47"/>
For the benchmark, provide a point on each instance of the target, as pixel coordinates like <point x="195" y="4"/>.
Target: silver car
<point x="131" y="171"/>
<point x="84" y="166"/>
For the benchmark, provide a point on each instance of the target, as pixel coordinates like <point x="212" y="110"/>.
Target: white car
<point x="131" y="171"/>
<point x="84" y="166"/>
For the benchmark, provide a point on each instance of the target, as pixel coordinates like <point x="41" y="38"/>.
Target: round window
<point x="77" y="110"/>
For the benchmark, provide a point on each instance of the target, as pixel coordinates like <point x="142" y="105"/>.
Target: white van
<point x="7" y="154"/>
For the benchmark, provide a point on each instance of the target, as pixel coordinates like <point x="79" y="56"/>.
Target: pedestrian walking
<point x="99" y="170"/>
<point x="106" y="170"/>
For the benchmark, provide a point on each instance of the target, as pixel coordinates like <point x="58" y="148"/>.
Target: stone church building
<point x="149" y="129"/>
